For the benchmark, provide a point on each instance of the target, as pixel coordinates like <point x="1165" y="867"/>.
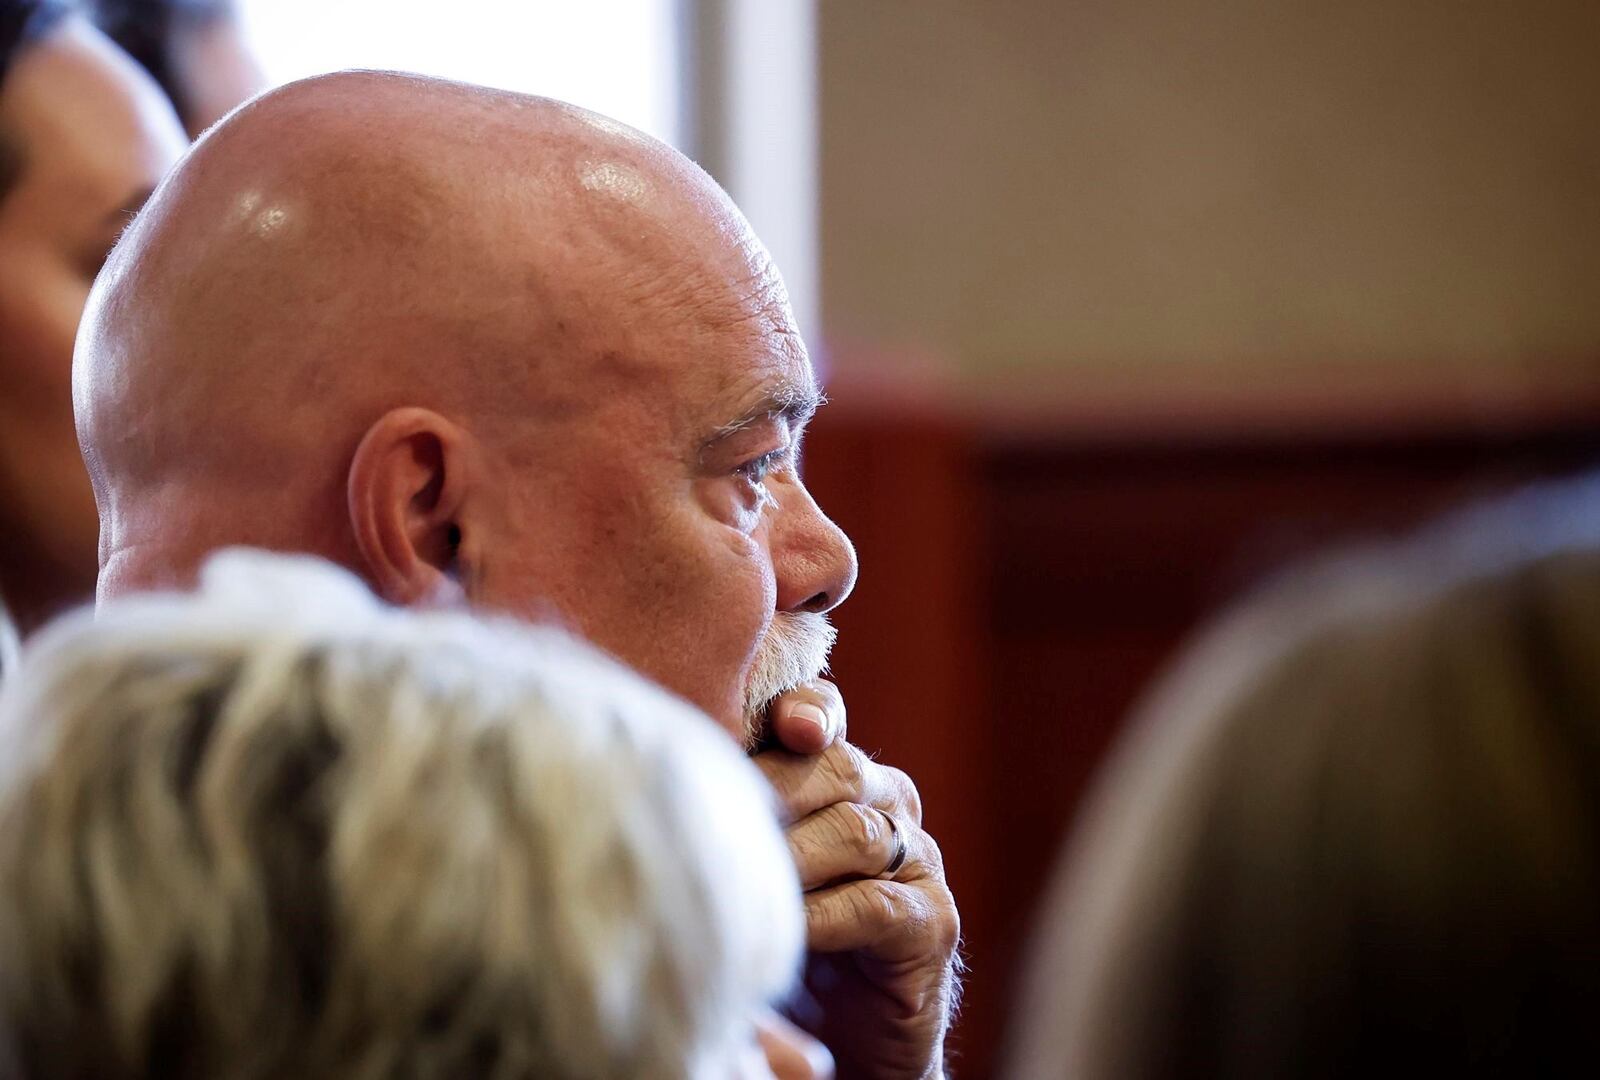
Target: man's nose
<point x="813" y="560"/>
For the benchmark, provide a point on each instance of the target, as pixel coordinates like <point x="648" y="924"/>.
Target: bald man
<point x="490" y="349"/>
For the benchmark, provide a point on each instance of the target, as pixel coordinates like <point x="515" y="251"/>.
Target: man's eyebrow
<point x="794" y="403"/>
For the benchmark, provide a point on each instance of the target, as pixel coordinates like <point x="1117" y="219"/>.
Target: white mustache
<point x="795" y="650"/>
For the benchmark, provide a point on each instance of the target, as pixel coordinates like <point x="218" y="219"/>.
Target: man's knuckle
<point x="947" y="929"/>
<point x="876" y="904"/>
<point x="931" y="922"/>
<point x="849" y="768"/>
<point x="861" y="826"/>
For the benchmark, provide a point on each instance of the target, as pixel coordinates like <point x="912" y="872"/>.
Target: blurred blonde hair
<point x="1356" y="830"/>
<point x="277" y="829"/>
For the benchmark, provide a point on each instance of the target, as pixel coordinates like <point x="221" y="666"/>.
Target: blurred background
<point x="1122" y="304"/>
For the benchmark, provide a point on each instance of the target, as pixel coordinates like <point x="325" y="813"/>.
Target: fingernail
<point x="811" y="714"/>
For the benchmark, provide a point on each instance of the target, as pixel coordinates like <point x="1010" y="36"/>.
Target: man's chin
<point x="755" y="733"/>
<point x="752" y="731"/>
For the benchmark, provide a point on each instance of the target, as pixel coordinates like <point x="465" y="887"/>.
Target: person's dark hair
<point x="144" y="30"/>
<point x="1358" y="830"/>
<point x="22" y="22"/>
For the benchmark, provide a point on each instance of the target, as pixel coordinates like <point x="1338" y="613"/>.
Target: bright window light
<point x="618" y="57"/>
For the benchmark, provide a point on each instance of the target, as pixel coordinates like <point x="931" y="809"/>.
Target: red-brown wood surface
<point x="1017" y="593"/>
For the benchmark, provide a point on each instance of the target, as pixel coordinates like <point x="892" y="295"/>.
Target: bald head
<point x="362" y="241"/>
<point x="469" y="344"/>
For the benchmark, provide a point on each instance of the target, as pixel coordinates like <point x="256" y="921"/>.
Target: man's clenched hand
<point x="881" y="945"/>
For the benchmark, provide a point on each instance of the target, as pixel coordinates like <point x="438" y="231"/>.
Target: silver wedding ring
<point x="899" y="846"/>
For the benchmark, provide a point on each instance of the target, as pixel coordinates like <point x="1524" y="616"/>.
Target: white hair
<point x="793" y="651"/>
<point x="277" y="828"/>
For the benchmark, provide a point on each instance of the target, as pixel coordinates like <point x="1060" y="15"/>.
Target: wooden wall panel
<point x="1016" y="595"/>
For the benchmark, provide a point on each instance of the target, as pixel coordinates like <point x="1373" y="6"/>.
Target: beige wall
<point x="1098" y="182"/>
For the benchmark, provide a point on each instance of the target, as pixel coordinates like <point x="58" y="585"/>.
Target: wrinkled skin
<point x="492" y="349"/>
<point x="95" y="136"/>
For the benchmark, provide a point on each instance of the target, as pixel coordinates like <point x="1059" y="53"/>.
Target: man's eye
<point x="756" y="471"/>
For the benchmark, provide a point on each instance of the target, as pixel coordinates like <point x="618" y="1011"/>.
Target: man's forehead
<point x="729" y="348"/>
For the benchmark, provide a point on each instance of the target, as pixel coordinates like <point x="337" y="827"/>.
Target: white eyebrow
<point x="796" y="403"/>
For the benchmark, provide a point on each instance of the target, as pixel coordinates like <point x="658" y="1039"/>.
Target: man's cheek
<point x="725" y="501"/>
<point x="738" y="569"/>
<point x="745" y="612"/>
<point x="723" y="592"/>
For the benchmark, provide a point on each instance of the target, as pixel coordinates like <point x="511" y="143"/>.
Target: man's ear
<point x="408" y="482"/>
